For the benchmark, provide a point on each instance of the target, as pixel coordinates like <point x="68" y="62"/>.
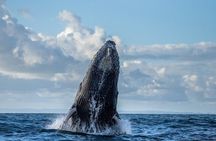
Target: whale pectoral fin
<point x="115" y="118"/>
<point x="70" y="113"/>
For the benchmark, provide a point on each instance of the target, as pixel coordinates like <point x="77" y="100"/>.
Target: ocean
<point x="138" y="127"/>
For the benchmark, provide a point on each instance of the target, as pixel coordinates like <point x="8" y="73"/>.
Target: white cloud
<point x="191" y="52"/>
<point x="129" y="63"/>
<point x="20" y="75"/>
<point x="210" y="88"/>
<point x="52" y="94"/>
<point x="181" y="71"/>
<point x="191" y="82"/>
<point x="161" y="71"/>
<point x="169" y="72"/>
<point x="29" y="56"/>
<point x="190" y="78"/>
<point x="70" y="76"/>
<point x="72" y="20"/>
<point x="78" y="41"/>
<point x="24" y="53"/>
<point x="150" y="90"/>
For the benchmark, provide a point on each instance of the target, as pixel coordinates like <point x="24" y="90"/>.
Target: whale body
<point x="94" y="109"/>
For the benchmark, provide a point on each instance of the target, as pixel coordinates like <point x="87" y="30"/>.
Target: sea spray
<point x="57" y="123"/>
<point x="123" y="127"/>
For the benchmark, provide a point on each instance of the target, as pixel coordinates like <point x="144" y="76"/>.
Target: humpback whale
<point x="94" y="109"/>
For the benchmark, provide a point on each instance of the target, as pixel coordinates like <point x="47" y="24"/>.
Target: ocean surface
<point x="138" y="127"/>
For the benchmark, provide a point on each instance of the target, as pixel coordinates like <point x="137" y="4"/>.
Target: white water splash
<point x="123" y="127"/>
<point x="57" y="123"/>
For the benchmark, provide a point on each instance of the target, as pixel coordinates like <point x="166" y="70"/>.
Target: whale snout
<point x="109" y="48"/>
<point x="110" y="43"/>
<point x="107" y="58"/>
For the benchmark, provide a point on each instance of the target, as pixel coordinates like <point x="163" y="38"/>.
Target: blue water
<point x="27" y="127"/>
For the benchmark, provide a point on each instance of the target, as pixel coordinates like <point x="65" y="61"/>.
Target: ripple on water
<point x="143" y="127"/>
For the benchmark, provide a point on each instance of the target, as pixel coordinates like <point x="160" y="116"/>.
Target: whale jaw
<point x="94" y="108"/>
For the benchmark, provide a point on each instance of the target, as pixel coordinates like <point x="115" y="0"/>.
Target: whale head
<point x="107" y="59"/>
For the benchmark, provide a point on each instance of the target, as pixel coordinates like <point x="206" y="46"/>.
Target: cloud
<point x="170" y="72"/>
<point x="41" y="66"/>
<point x="34" y="65"/>
<point x="161" y="71"/>
<point x="191" y="81"/>
<point x="19" y="75"/>
<point x="190" y="52"/>
<point x="78" y="41"/>
<point x="26" y="54"/>
<point x="70" y="76"/>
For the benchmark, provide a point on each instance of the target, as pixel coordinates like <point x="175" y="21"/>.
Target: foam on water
<point x="123" y="127"/>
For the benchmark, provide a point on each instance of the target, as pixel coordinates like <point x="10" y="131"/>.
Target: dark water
<point x="27" y="127"/>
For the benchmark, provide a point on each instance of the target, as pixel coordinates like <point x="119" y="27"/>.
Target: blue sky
<point x="167" y="53"/>
<point x="136" y="22"/>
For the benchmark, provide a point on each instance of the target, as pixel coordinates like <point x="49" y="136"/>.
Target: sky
<point x="167" y="53"/>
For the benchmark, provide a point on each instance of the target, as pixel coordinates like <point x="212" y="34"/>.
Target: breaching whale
<point x="94" y="108"/>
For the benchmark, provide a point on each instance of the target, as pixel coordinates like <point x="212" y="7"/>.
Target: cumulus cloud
<point x="40" y="64"/>
<point x="25" y="52"/>
<point x="191" y="81"/>
<point x="78" y="41"/>
<point x="190" y="52"/>
<point x="48" y="65"/>
<point x="173" y="72"/>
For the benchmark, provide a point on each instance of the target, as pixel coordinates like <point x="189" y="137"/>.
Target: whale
<point x="94" y="108"/>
